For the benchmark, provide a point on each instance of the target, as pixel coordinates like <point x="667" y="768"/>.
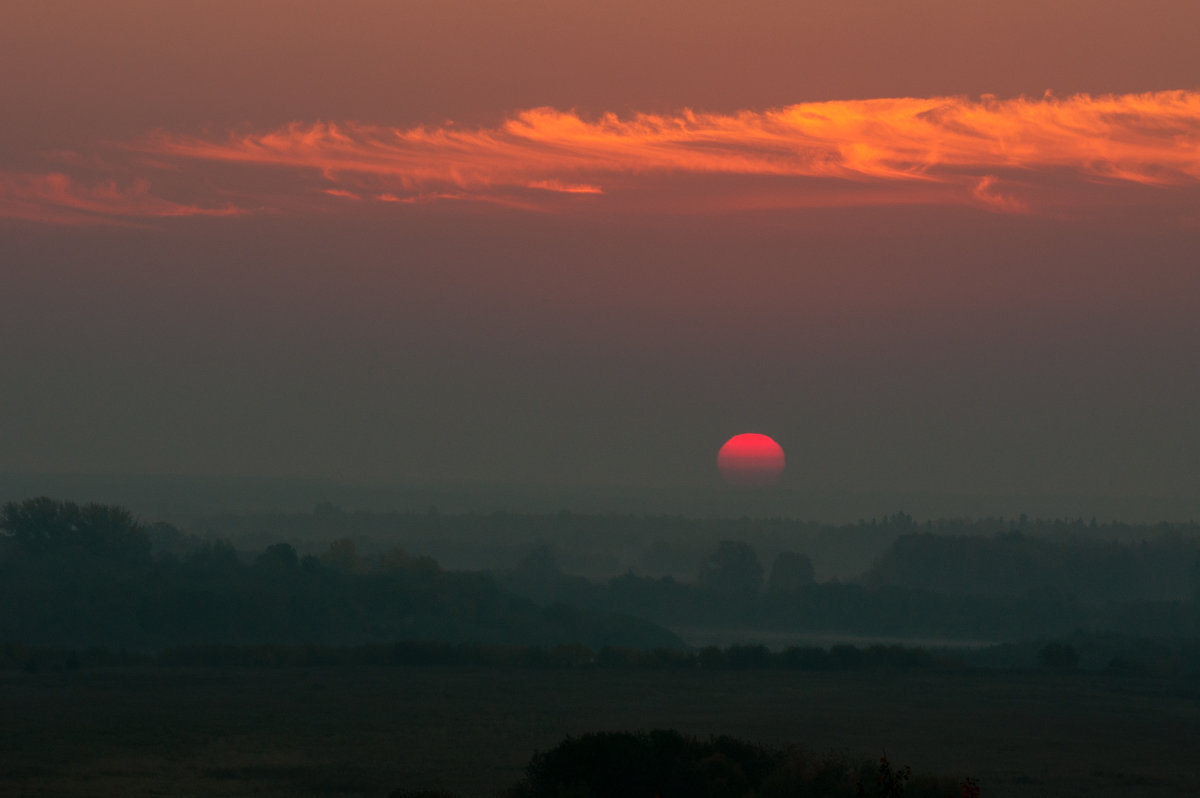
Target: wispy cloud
<point x="56" y="198"/>
<point x="988" y="148"/>
<point x="1022" y="155"/>
<point x="985" y="191"/>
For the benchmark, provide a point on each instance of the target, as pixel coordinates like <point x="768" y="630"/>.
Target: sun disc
<point x="751" y="459"/>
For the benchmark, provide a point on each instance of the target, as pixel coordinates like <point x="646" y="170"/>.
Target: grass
<point x="365" y="731"/>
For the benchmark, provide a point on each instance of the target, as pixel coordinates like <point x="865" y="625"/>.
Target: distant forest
<point x="887" y="576"/>
<point x="603" y="545"/>
<point x="925" y="586"/>
<point x="94" y="574"/>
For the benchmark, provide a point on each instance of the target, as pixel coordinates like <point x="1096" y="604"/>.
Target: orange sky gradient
<point x="935" y="246"/>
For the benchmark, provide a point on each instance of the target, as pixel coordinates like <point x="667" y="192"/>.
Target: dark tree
<point x="107" y="529"/>
<point x="342" y="555"/>
<point x="732" y="570"/>
<point x="1058" y="656"/>
<point x="40" y="524"/>
<point x="45" y="525"/>
<point x="168" y="538"/>
<point x="278" y="555"/>
<point x="539" y="564"/>
<point x="218" y="556"/>
<point x="790" y="572"/>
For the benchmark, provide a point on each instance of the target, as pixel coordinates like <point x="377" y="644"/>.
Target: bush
<point x="667" y="764"/>
<point x="1058" y="657"/>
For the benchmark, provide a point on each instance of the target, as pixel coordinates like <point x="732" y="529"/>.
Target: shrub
<point x="1058" y="656"/>
<point x="667" y="764"/>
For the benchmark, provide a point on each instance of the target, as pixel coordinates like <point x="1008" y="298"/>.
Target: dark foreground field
<point x="364" y="731"/>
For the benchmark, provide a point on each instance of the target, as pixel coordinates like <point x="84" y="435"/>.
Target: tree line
<point x="1004" y="587"/>
<point x="94" y="574"/>
<point x="87" y="575"/>
<point x="434" y="653"/>
<point x="600" y="546"/>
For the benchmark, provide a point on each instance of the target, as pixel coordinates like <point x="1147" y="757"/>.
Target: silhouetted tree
<point x="213" y="557"/>
<point x="43" y="525"/>
<point x="732" y="570"/>
<point x="279" y="555"/>
<point x="1058" y="656"/>
<point x="790" y="572"/>
<point x="343" y="555"/>
<point x="170" y="539"/>
<point x="740" y="657"/>
<point x="327" y="511"/>
<point x="394" y="559"/>
<point x="112" y="530"/>
<point x="668" y="764"/>
<point x="39" y="524"/>
<point x="538" y="564"/>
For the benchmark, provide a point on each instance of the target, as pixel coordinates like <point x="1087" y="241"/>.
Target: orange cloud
<point x="341" y="193"/>
<point x="577" y="188"/>
<point x="55" y="198"/>
<point x="988" y="151"/>
<point x="987" y="193"/>
<point x="1022" y="155"/>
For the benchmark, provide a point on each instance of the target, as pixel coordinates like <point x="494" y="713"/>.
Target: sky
<point x="934" y="247"/>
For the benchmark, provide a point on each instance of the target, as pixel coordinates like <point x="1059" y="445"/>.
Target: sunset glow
<point x="54" y="197"/>
<point x="985" y="151"/>
<point x="1020" y="155"/>
<point x="944" y="247"/>
<point x="407" y="348"/>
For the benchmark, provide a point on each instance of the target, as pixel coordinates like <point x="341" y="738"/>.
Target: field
<point x="365" y="731"/>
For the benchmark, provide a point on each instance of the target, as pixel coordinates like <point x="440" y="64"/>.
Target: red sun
<point x="751" y="459"/>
